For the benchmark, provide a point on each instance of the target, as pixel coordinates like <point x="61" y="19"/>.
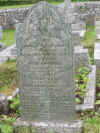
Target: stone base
<point x="21" y="126"/>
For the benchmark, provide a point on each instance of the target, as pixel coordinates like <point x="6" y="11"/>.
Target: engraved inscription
<point x="45" y="62"/>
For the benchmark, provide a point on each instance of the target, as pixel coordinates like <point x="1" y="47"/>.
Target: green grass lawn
<point x="90" y="37"/>
<point x="8" y="37"/>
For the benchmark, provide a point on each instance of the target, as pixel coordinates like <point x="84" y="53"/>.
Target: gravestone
<point x="2" y="46"/>
<point x="97" y="27"/>
<point x="79" y="28"/>
<point x="76" y="40"/>
<point x="82" y="57"/>
<point x="67" y="3"/>
<point x="1" y="32"/>
<point x="46" y="73"/>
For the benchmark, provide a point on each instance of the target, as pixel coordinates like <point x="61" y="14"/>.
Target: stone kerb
<point x="89" y="99"/>
<point x="97" y="54"/>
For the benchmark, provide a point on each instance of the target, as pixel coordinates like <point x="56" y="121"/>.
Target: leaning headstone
<point x="1" y="32"/>
<point x="46" y="76"/>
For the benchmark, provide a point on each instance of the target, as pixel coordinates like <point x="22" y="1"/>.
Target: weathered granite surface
<point x="46" y="73"/>
<point x="43" y="71"/>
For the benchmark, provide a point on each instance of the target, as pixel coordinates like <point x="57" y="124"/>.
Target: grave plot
<point x="88" y="91"/>
<point x="82" y="59"/>
<point x="45" y="65"/>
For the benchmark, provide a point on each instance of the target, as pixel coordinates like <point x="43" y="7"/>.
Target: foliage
<point x="92" y="125"/>
<point x="81" y="82"/>
<point x="6" y="124"/>
<point x="83" y="0"/>
<point x="15" y="6"/>
<point x="15" y="104"/>
<point x="8" y="37"/>
<point x="8" y="77"/>
<point x="14" y="2"/>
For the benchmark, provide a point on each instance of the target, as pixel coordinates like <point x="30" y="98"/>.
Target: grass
<point x="8" y="77"/>
<point x="27" y="5"/>
<point x="89" y="41"/>
<point x="15" y="6"/>
<point x="8" y="37"/>
<point x="90" y="37"/>
<point x="92" y="125"/>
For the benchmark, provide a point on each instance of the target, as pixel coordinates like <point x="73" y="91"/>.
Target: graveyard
<point x="50" y="67"/>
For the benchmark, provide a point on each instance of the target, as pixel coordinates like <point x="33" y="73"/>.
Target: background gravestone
<point x="45" y="64"/>
<point x="67" y="3"/>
